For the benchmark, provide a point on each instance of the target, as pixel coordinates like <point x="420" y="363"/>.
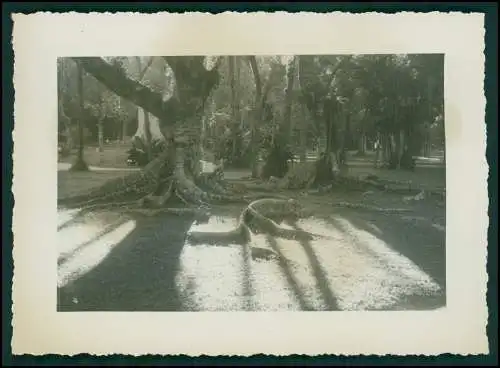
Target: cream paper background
<point x="42" y="37"/>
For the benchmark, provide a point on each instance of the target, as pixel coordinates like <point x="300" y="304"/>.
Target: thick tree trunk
<point x="182" y="130"/>
<point x="277" y="161"/>
<point x="187" y="143"/>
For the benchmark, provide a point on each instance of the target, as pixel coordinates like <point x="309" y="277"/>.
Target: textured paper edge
<point x="40" y="38"/>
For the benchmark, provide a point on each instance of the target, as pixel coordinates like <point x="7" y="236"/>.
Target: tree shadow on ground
<point x="63" y="258"/>
<point x="320" y="277"/>
<point x="289" y="275"/>
<point x="420" y="242"/>
<point x="138" y="274"/>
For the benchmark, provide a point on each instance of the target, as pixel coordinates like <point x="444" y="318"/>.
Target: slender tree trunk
<point x="332" y="118"/>
<point x="237" y="68"/>
<point x="80" y="164"/>
<point x="62" y="117"/>
<point x="378" y="149"/>
<point x="81" y="117"/>
<point x="66" y="122"/>
<point x="147" y="128"/>
<point x="100" y="135"/>
<point x="397" y="148"/>
<point x="402" y="144"/>
<point x="287" y="126"/>
<point x="431" y="117"/>
<point x="255" y="136"/>
<point x="69" y="137"/>
<point x="124" y="129"/>
<point x="303" y="135"/>
<point x="362" y="144"/>
<point x="428" y="143"/>
<point x="342" y="152"/>
<point x="256" y="118"/>
<point x="80" y="140"/>
<point x="235" y="108"/>
<point x="386" y="147"/>
<point x="147" y="134"/>
<point x="100" y="123"/>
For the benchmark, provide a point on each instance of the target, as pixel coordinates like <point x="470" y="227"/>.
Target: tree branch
<point x="148" y="64"/>
<point x="117" y="81"/>
<point x="337" y="67"/>
<point x="194" y="83"/>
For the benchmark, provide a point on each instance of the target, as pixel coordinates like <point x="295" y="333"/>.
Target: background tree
<point x="255" y="107"/>
<point x="80" y="164"/>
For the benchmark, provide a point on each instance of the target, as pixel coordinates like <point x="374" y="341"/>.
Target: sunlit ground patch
<point x="82" y="246"/>
<point x="386" y="277"/>
<point x="66" y="215"/>
<point x="213" y="278"/>
<point x="349" y="269"/>
<point x="209" y="277"/>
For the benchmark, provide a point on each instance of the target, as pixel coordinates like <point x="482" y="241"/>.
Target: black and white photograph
<point x="249" y="183"/>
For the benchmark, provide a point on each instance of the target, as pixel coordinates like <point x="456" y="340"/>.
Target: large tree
<point x="180" y="118"/>
<point x="317" y="78"/>
<point x="264" y="80"/>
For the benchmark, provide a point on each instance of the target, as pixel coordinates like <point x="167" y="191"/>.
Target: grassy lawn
<point x="422" y="176"/>
<point x="114" y="155"/>
<point x="74" y="183"/>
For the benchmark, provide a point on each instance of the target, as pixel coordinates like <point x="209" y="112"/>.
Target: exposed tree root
<point x="256" y="218"/>
<point x="154" y="191"/>
<point x="127" y="188"/>
<point x="188" y="190"/>
<point x="361" y="206"/>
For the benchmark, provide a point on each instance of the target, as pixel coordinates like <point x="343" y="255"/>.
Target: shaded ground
<point x="370" y="261"/>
